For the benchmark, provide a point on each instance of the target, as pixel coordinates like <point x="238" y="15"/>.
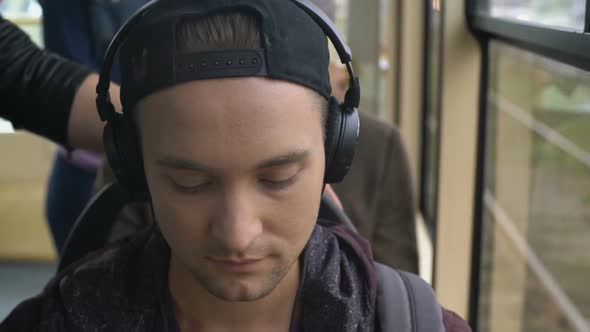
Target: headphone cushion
<point x="332" y="132"/>
<point x="342" y="129"/>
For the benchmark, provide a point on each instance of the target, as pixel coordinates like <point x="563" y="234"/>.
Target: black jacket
<point x="36" y="87"/>
<point x="124" y="288"/>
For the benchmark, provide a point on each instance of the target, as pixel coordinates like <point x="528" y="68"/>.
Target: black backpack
<point x="405" y="302"/>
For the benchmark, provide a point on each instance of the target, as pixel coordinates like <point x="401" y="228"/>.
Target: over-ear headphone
<point x="121" y="140"/>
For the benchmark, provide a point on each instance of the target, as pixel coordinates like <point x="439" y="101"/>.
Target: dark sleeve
<point x="37" y="88"/>
<point x="453" y="322"/>
<point x="25" y="317"/>
<point x="42" y="313"/>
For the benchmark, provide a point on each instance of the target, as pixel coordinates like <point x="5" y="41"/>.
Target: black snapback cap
<point x="294" y="48"/>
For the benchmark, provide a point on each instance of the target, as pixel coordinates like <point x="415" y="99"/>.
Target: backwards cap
<point x="294" y="48"/>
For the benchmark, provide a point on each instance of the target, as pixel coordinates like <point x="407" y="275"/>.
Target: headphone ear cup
<point x="342" y="130"/>
<point x="332" y="132"/>
<point x="110" y="148"/>
<point x="123" y="152"/>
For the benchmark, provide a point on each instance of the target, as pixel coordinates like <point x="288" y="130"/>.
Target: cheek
<point x="184" y="226"/>
<point x="181" y="220"/>
<point x="294" y="217"/>
<point x="177" y="218"/>
<point x="295" y="228"/>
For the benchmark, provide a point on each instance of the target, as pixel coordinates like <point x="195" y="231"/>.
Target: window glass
<point x="26" y="14"/>
<point x="568" y="14"/>
<point x="536" y="228"/>
<point x="20" y="8"/>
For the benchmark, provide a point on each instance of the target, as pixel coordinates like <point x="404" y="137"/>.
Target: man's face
<point x="235" y="169"/>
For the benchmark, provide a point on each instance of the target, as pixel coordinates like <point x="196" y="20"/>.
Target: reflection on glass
<point x="567" y="14"/>
<point x="27" y="15"/>
<point x="20" y="8"/>
<point x="536" y="229"/>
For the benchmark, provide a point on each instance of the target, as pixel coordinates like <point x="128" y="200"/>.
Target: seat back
<point x="92" y="228"/>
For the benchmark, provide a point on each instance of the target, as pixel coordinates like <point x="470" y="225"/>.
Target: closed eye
<point x="279" y="184"/>
<point x="189" y="187"/>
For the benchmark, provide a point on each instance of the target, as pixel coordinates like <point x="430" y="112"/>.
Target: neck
<point x="198" y="310"/>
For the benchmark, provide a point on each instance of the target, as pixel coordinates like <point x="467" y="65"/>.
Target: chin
<point x="244" y="287"/>
<point x="240" y="291"/>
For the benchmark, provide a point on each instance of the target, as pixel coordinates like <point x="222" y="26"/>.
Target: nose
<point x="237" y="225"/>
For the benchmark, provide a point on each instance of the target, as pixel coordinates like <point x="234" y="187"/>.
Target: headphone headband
<point x="329" y="28"/>
<point x="353" y="95"/>
<point x="103" y="97"/>
<point x="148" y="67"/>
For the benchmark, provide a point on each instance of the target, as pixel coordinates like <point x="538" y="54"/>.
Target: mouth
<point x="237" y="266"/>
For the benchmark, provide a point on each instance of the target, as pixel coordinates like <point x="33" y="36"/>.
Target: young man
<point x="79" y="31"/>
<point x="234" y="166"/>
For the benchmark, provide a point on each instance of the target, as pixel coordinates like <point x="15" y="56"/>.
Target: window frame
<point x="566" y="46"/>
<point x="431" y="220"/>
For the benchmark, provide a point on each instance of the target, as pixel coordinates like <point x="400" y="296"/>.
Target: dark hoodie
<point x="124" y="288"/>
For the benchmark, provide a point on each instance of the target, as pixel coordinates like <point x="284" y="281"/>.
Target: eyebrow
<point x="179" y="163"/>
<point x="287" y="158"/>
<point x="283" y="159"/>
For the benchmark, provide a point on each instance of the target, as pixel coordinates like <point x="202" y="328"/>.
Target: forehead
<point x="229" y="102"/>
<point x="217" y="93"/>
<point x="238" y="115"/>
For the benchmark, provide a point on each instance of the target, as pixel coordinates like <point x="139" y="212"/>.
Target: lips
<point x="237" y="266"/>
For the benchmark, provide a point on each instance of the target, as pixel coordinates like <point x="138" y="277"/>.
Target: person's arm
<point x="85" y="127"/>
<point x="46" y="94"/>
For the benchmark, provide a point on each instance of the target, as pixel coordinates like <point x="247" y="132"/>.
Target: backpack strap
<point x="405" y="303"/>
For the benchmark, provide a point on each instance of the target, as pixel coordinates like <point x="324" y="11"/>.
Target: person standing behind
<point x="79" y="31"/>
<point x="377" y="193"/>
